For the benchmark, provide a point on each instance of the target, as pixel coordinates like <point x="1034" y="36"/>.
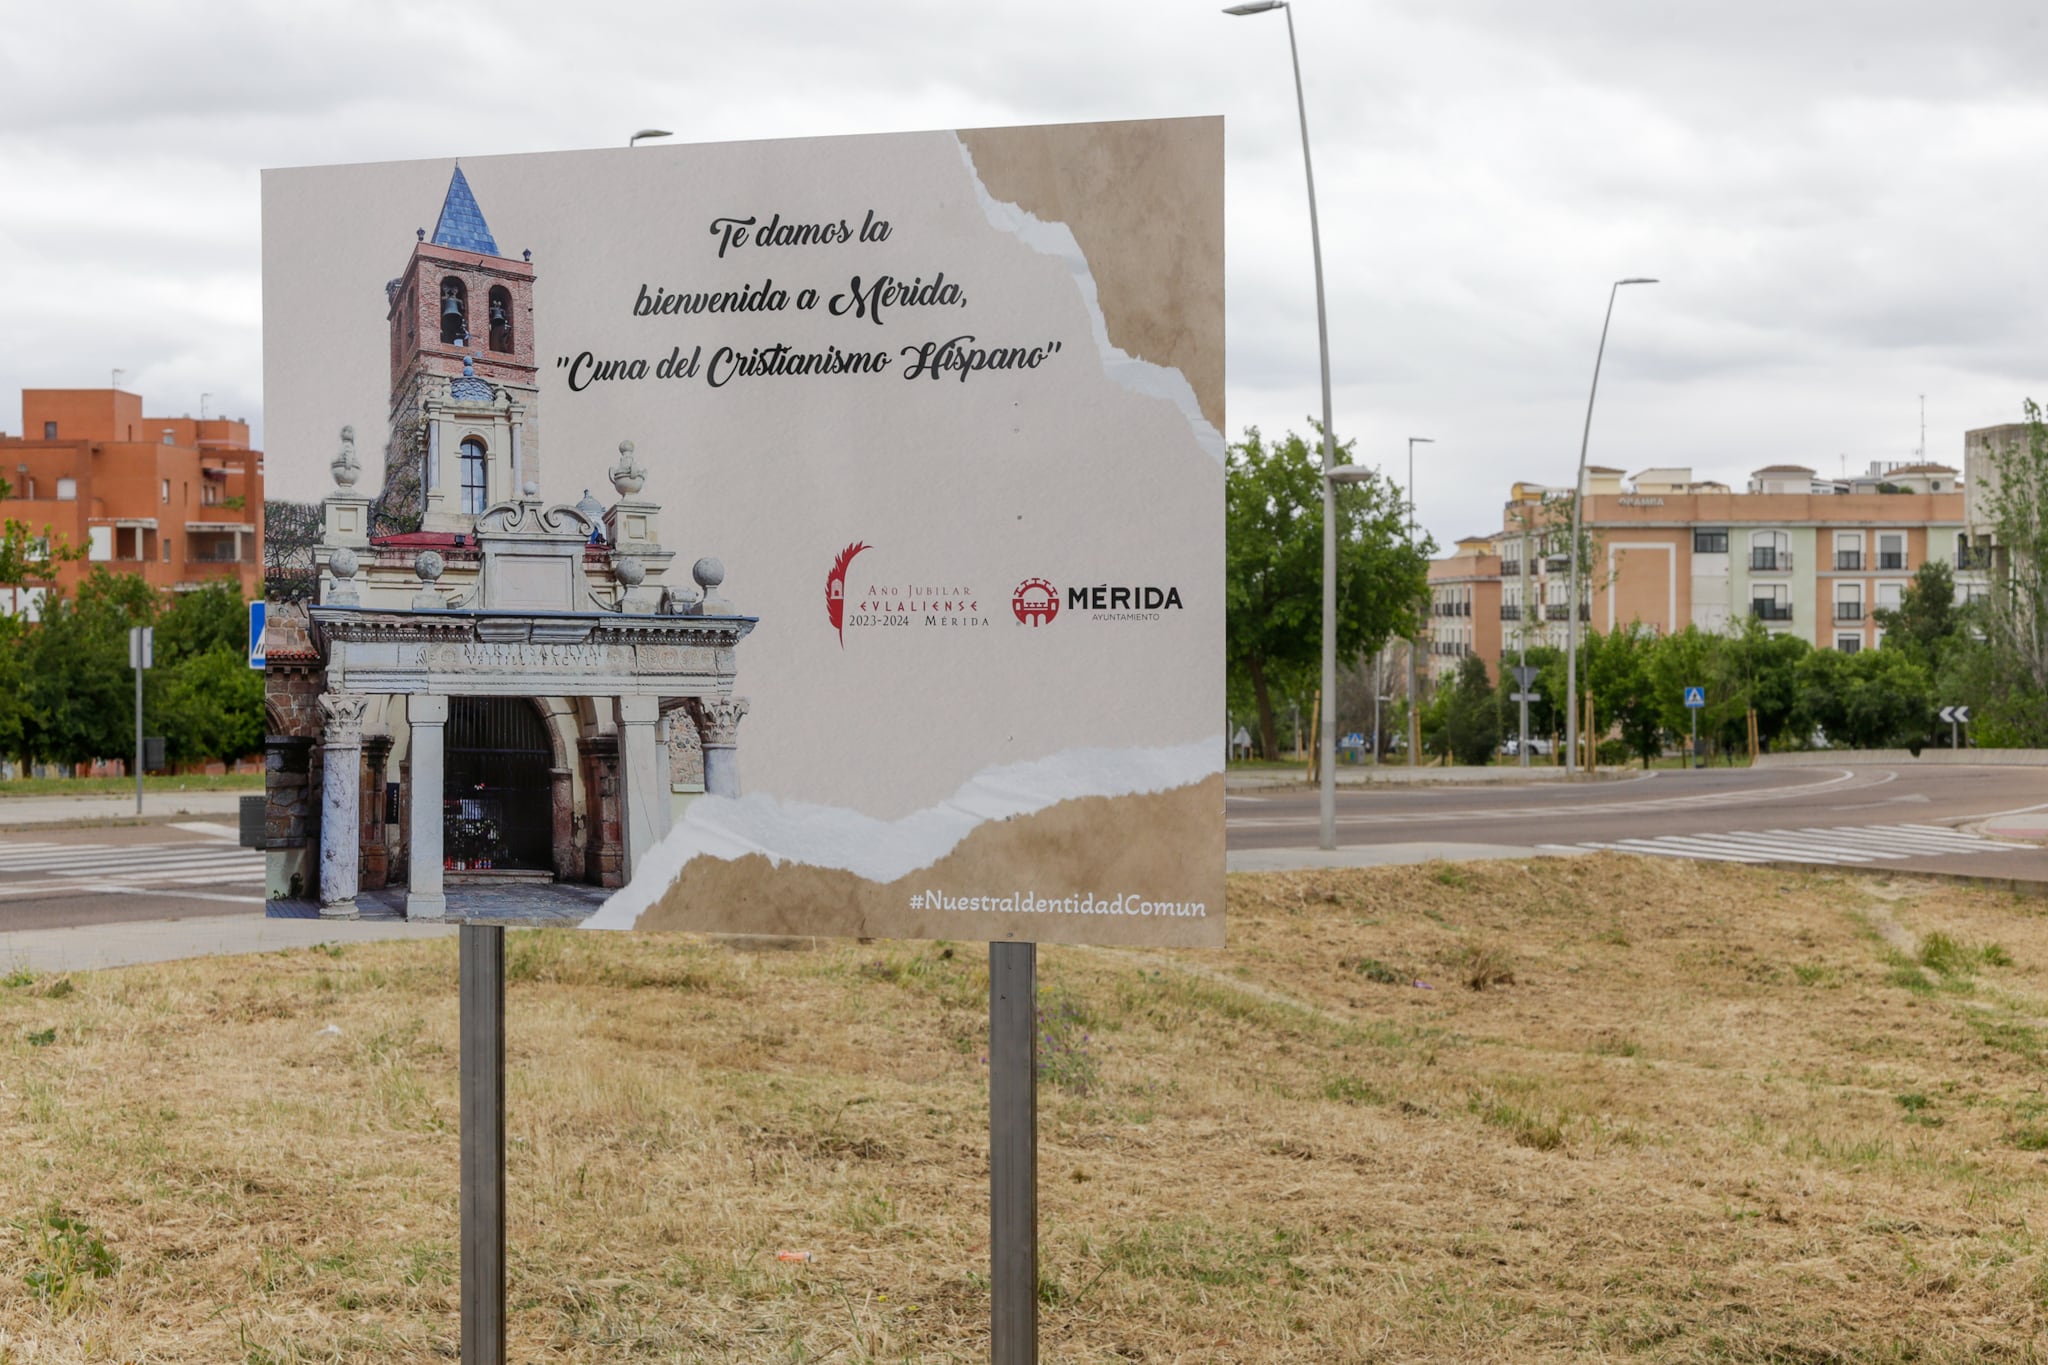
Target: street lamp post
<point x="1571" y="629"/>
<point x="1326" y="742"/>
<point x="1414" y="720"/>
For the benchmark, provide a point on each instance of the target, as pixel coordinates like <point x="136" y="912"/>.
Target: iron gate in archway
<point x="496" y="787"/>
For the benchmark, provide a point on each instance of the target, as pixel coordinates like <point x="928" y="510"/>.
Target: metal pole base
<point x="1013" y="1152"/>
<point x="482" y="976"/>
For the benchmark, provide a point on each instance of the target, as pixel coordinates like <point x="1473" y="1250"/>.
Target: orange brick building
<point x="1803" y="554"/>
<point x="174" y="499"/>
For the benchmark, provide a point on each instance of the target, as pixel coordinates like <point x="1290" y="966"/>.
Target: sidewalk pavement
<point x="88" y="946"/>
<point x="17" y="811"/>
<point x="1400" y="774"/>
<point x="2030" y="825"/>
<point x="1381" y="855"/>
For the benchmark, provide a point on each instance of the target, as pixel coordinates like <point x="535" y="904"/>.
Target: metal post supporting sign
<point x="482" y="1027"/>
<point x="1695" y="698"/>
<point x="1522" y="696"/>
<point x="1013" y="1152"/>
<point x="141" y="655"/>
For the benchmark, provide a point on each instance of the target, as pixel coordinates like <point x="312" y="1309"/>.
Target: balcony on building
<point x="1891" y="559"/>
<point x="1511" y="568"/>
<point x="1848" y="611"/>
<point x="1770" y="609"/>
<point x="1849" y="560"/>
<point x="1763" y="559"/>
<point x="1973" y="558"/>
<point x="1510" y="611"/>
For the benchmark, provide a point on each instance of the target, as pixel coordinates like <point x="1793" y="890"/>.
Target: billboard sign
<point x="818" y="536"/>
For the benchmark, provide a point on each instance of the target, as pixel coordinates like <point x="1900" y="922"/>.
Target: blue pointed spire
<point x="462" y="224"/>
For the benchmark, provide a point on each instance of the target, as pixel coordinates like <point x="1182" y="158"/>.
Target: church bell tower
<point x="464" y="396"/>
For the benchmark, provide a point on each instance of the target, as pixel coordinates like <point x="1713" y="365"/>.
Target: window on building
<point x="167" y="549"/>
<point x="209" y="495"/>
<point x="67" y="490"/>
<point x="49" y="431"/>
<point x="166" y="492"/>
<point x="1891" y="550"/>
<point x="1849" y="644"/>
<point x="454" y="313"/>
<point x="501" y="318"/>
<point x="1849" y="551"/>
<point x="472" y="476"/>
<point x="1710" y="540"/>
<point x="1770" y="551"/>
<point x="1849" y="602"/>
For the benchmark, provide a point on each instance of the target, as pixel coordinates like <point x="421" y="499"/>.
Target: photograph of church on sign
<point x="487" y="706"/>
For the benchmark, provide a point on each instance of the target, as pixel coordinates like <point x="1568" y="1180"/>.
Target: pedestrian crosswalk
<point x="32" y="868"/>
<point x="1847" y="846"/>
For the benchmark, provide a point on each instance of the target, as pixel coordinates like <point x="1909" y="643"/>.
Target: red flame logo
<point x="835" y="589"/>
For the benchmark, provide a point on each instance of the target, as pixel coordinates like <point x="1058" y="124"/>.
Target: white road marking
<point x="1854" y="844"/>
<point x="48" y="869"/>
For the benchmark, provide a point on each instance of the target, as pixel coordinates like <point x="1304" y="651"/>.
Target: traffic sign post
<point x="1955" y="716"/>
<point x="141" y="654"/>
<point x="1695" y="698"/>
<point x="1522" y="696"/>
<point x="256" y="621"/>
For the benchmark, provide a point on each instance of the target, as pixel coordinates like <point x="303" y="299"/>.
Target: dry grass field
<point x="1583" y="1109"/>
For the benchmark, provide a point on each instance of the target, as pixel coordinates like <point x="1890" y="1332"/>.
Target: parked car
<point x="1540" y="748"/>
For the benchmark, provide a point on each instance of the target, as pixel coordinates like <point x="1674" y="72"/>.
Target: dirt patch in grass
<point x="1697" y="1113"/>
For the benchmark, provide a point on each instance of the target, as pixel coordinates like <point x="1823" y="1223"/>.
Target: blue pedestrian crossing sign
<point x="1695" y="697"/>
<point x="256" y="634"/>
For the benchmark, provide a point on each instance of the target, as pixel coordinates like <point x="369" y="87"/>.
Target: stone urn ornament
<point x="629" y="476"/>
<point x="345" y="467"/>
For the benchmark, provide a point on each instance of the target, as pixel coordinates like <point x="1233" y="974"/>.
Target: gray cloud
<point x="1838" y="197"/>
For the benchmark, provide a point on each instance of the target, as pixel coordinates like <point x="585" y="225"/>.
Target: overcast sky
<point x="1844" y="200"/>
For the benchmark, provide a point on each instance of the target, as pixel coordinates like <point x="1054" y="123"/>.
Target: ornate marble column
<point x="428" y="717"/>
<point x="718" y="728"/>
<point x="376" y="856"/>
<point x="341" y="801"/>
<point x="643" y="768"/>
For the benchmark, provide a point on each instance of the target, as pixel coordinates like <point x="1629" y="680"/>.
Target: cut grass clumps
<point x="1372" y="969"/>
<point x="1351" y="1090"/>
<point x="1066" y="1057"/>
<point x="1946" y="957"/>
<point x="65" y="1256"/>
<point x="1485" y="966"/>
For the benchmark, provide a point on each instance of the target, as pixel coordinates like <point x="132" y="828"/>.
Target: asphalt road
<point x="1913" y="819"/>
<point x="53" y="878"/>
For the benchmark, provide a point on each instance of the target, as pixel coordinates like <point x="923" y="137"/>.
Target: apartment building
<point x="1802" y="553"/>
<point x="177" y="500"/>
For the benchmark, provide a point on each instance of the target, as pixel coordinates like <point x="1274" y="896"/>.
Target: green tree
<point x="77" y="690"/>
<point x="1878" y="699"/>
<point x="211" y="706"/>
<point x="1471" y="715"/>
<point x="212" y="618"/>
<point x="1618" y="673"/>
<point x="1926" y="620"/>
<point x="2008" y="682"/>
<point x="1274" y="568"/>
<point x="1546" y="716"/>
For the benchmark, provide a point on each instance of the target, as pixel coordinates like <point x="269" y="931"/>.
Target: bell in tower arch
<point x="454" y="328"/>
